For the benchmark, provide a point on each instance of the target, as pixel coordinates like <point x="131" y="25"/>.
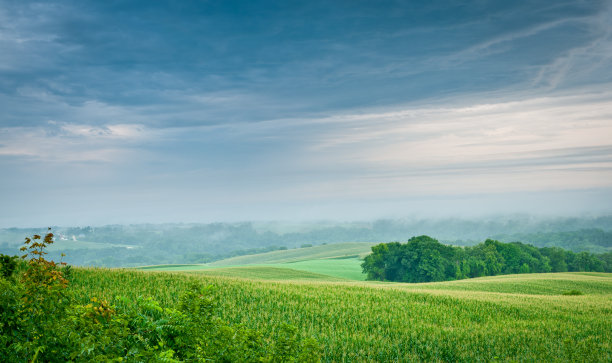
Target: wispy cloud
<point x="63" y="143"/>
<point x="469" y="136"/>
<point x="586" y="62"/>
<point x="540" y="138"/>
<point x="492" y="46"/>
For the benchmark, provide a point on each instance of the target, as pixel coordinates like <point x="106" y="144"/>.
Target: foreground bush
<point x="40" y="321"/>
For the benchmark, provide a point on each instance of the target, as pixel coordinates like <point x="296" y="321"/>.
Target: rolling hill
<point x="335" y="250"/>
<point x="527" y="317"/>
<point x="341" y="261"/>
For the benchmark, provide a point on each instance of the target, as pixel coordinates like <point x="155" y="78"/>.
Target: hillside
<point x="524" y="317"/>
<point x="268" y="273"/>
<point x="336" y="250"/>
<point x="596" y="283"/>
<point x="334" y="262"/>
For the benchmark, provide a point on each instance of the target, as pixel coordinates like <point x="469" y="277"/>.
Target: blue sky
<point x="146" y="111"/>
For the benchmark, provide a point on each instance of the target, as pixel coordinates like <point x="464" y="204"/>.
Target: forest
<point x="425" y="259"/>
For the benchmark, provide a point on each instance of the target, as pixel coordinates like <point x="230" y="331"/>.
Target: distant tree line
<point x="147" y="244"/>
<point x="590" y="240"/>
<point x="424" y="259"/>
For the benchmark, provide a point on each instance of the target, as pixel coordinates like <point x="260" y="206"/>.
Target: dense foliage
<point x="424" y="259"/>
<point x="40" y="319"/>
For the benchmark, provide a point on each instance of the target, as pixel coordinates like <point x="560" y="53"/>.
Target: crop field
<point x="514" y="317"/>
<point x="346" y="268"/>
<point x="267" y="273"/>
<point x="328" y="262"/>
<point x="335" y="269"/>
<point x="336" y="250"/>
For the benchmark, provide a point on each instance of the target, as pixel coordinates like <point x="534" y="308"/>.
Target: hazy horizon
<point x="331" y="219"/>
<point x="238" y="111"/>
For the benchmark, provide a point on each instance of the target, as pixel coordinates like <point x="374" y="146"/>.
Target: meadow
<point x="507" y="318"/>
<point x="330" y="251"/>
<point x="339" y="261"/>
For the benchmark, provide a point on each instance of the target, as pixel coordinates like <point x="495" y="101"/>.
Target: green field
<point x="267" y="273"/>
<point x="336" y="261"/>
<point x="513" y="317"/>
<point x="335" y="250"/>
<point x="321" y="291"/>
<point x="346" y="268"/>
<point x="337" y="269"/>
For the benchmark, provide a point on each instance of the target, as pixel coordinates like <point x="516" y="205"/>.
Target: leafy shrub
<point x="8" y="264"/>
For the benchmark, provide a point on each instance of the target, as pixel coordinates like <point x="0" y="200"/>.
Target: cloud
<point x="65" y="143"/>
<point x="454" y="146"/>
<point x="559" y="141"/>
<point x="357" y="103"/>
<point x="119" y="131"/>
<point x="29" y="36"/>
<point x="585" y="62"/>
<point x="492" y="46"/>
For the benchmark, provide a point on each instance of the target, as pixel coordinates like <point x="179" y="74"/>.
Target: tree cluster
<point x="424" y="259"/>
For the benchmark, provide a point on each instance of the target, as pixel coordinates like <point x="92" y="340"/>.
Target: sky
<point x="205" y="111"/>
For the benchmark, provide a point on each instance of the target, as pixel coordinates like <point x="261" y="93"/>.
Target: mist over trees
<point x="424" y="259"/>
<point x="148" y="244"/>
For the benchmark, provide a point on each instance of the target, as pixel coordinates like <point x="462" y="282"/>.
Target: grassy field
<point x="338" y="269"/>
<point x="337" y="261"/>
<point x="514" y="317"/>
<point x="335" y="250"/>
<point x="268" y="273"/>
<point x="346" y="268"/>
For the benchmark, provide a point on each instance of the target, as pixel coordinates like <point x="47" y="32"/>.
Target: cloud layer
<point x="239" y="110"/>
